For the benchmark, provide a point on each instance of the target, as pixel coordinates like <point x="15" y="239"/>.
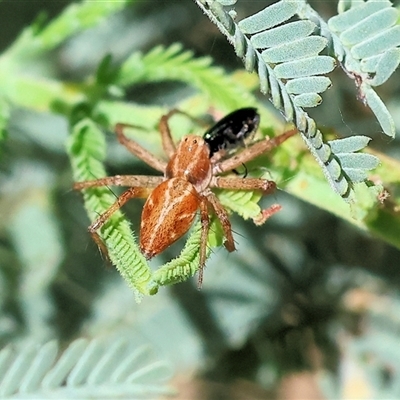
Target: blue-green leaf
<point x="369" y="26"/>
<point x="354" y="15"/>
<point x="282" y="34"/>
<point x="369" y="38"/>
<point x="86" y="369"/>
<point x="298" y="49"/>
<point x="283" y="42"/>
<point x="377" y="44"/>
<point x="379" y="109"/>
<point x="317" y="65"/>
<point x="349" y="144"/>
<point x="355" y="165"/>
<point x="307" y="100"/>
<point x="310" y="84"/>
<point x="269" y="17"/>
<point x="381" y="66"/>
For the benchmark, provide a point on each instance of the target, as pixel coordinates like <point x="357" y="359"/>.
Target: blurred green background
<point x="307" y="308"/>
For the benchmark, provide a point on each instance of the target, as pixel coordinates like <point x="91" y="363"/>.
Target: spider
<point x="194" y="169"/>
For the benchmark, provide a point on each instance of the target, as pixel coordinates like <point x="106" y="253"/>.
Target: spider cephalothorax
<point x="186" y="186"/>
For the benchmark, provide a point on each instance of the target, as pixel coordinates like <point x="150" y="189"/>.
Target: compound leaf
<point x="283" y="43"/>
<point x="94" y="369"/>
<point x="370" y="41"/>
<point x="172" y="63"/>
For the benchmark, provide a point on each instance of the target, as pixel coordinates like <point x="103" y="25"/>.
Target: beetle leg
<point x="252" y="152"/>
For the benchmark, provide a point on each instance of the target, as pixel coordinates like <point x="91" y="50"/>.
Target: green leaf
<point x="184" y="266"/>
<point x="86" y="148"/>
<point x="172" y="63"/>
<point x="75" y="18"/>
<point x="106" y="72"/>
<point x="242" y="202"/>
<point x="4" y="117"/>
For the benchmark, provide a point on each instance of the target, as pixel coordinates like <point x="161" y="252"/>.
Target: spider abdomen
<point x="167" y="215"/>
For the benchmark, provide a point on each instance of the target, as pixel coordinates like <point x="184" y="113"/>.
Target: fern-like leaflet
<point x="85" y="369"/>
<point x="282" y="43"/>
<point x="86" y="148"/>
<point x="173" y="63"/>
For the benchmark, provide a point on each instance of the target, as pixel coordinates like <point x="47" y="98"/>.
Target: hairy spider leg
<point x="134" y="192"/>
<point x="205" y="228"/>
<point x="163" y="126"/>
<point x="267" y="213"/>
<point x="252" y="152"/>
<point x="210" y="200"/>
<point x="149" y="181"/>
<point x="166" y="137"/>
<point x="264" y="185"/>
<point x="223" y="217"/>
<point x="136" y="149"/>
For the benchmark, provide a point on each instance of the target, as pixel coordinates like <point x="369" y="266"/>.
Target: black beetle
<point x="232" y="130"/>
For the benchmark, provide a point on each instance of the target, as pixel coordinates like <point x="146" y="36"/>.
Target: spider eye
<point x="195" y="141"/>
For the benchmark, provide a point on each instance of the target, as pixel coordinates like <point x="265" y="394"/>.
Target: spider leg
<point x="136" y="149"/>
<point x="267" y="213"/>
<point x="252" y="152"/>
<point x="250" y="184"/>
<point x="121" y="180"/>
<point x="133" y="192"/>
<point x="168" y="143"/>
<point x="166" y="137"/>
<point x="222" y="215"/>
<point x="205" y="227"/>
<point x="243" y="184"/>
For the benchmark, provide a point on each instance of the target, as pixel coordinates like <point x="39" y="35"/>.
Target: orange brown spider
<point x="186" y="186"/>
